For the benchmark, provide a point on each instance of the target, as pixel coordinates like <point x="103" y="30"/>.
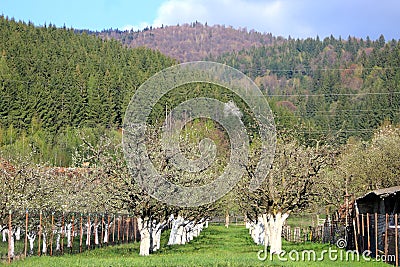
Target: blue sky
<point x="297" y="18"/>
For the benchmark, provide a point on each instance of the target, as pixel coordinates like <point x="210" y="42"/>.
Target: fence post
<point x="62" y="233"/>
<point x="134" y="229"/>
<point x="368" y="234"/>
<point x="386" y="234"/>
<point x="127" y="223"/>
<point x="122" y="228"/>
<point x="73" y="232"/>
<point x="80" y="234"/>
<point x="113" y="235"/>
<point x="88" y="233"/>
<point x="362" y="245"/>
<point x="40" y="231"/>
<point x="119" y="225"/>
<point x="102" y="230"/>
<point x="396" y="238"/>
<point x="355" y="234"/>
<point x="376" y="234"/>
<point x="52" y="234"/>
<point x="108" y="229"/>
<point x="26" y="233"/>
<point x="9" y="235"/>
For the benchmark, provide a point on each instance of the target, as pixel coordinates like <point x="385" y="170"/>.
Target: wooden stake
<point x="102" y="230"/>
<point x="134" y="228"/>
<point x="119" y="225"/>
<point x="62" y="233"/>
<point x="362" y="224"/>
<point x="9" y="235"/>
<point x="396" y="239"/>
<point x="122" y="228"/>
<point x="386" y="234"/>
<point x="52" y="234"/>
<point x="108" y="229"/>
<point x="127" y="229"/>
<point x="113" y="235"/>
<point x="40" y="231"/>
<point x="80" y="234"/>
<point x="26" y="233"/>
<point x="88" y="232"/>
<point x="368" y="234"/>
<point x="376" y="234"/>
<point x="355" y="234"/>
<point x="73" y="231"/>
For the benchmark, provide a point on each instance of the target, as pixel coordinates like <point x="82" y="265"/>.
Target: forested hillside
<point x="53" y="80"/>
<point x="194" y="41"/>
<point x="335" y="86"/>
<point x="344" y="87"/>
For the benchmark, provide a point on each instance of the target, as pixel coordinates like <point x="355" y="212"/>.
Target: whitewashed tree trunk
<point x="267" y="230"/>
<point x="11" y="245"/>
<point x="260" y="231"/>
<point x="96" y="234"/>
<point x="44" y="244"/>
<point x="69" y="229"/>
<point x="105" y="240"/>
<point x="173" y="236"/>
<point x="88" y="232"/>
<point x="5" y="234"/>
<point x="31" y="238"/>
<point x="156" y="233"/>
<point x="181" y="235"/>
<point x="145" y="236"/>
<point x="275" y="224"/>
<point x="18" y="234"/>
<point x="58" y="247"/>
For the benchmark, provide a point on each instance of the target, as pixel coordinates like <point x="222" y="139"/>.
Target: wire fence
<point x="56" y="233"/>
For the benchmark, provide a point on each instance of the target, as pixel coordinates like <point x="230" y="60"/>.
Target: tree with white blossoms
<point x="291" y="185"/>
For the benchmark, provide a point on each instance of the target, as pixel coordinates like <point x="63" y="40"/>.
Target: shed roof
<point x="384" y="192"/>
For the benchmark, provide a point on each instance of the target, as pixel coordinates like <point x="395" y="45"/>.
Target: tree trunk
<point x="105" y="240"/>
<point x="174" y="237"/>
<point x="227" y="219"/>
<point x="31" y="238"/>
<point x="96" y="234"/>
<point x="4" y="233"/>
<point x="275" y="224"/>
<point x="11" y="248"/>
<point x="69" y="243"/>
<point x="145" y="236"/>
<point x="58" y="242"/>
<point x="18" y="234"/>
<point x="156" y="233"/>
<point x="44" y="242"/>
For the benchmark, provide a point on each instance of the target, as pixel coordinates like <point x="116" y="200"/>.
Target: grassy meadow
<point x="216" y="246"/>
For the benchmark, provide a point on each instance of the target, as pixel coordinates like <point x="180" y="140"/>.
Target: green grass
<point x="216" y="246"/>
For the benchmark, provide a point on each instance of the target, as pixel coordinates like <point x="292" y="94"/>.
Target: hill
<point x="340" y="87"/>
<point x="191" y="42"/>
<point x="53" y="80"/>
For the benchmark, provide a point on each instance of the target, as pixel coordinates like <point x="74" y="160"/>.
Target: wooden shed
<point x="381" y="201"/>
<point x="377" y="223"/>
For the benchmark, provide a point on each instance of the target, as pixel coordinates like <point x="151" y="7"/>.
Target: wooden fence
<point x="55" y="233"/>
<point x="378" y="233"/>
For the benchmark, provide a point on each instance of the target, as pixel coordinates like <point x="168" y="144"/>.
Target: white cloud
<point x="298" y="18"/>
<point x="275" y="16"/>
